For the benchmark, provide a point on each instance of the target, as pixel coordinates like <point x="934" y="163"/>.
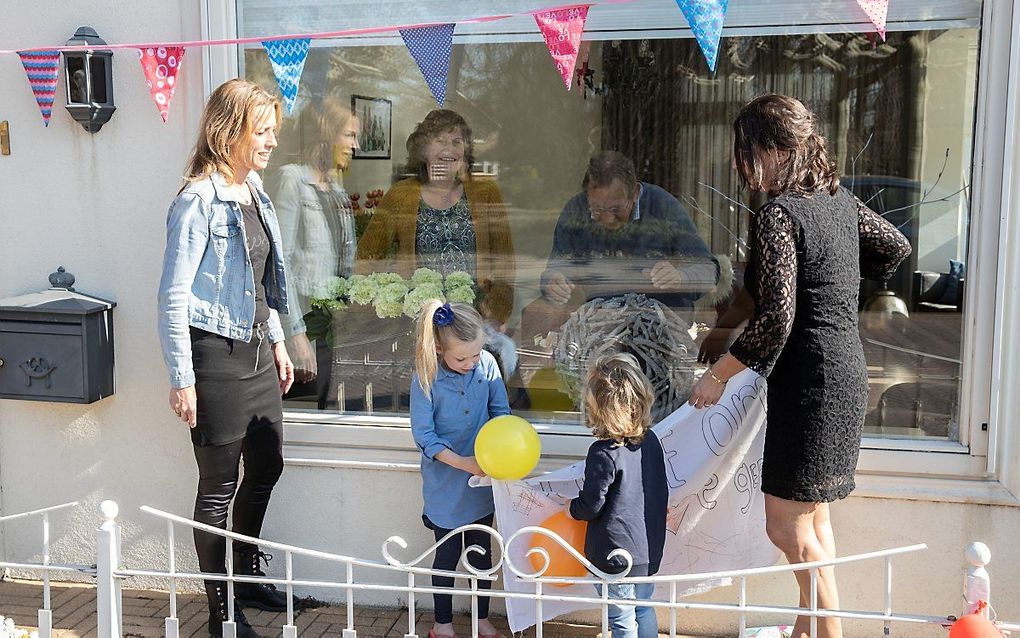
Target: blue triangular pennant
<point x="430" y="47"/>
<point x="288" y="60"/>
<point x="706" y="18"/>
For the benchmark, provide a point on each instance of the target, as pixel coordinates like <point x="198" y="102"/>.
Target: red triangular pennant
<point x="161" y="66"/>
<point x="562" y="31"/>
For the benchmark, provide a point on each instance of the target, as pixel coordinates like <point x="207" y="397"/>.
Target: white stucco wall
<point x="96" y="204"/>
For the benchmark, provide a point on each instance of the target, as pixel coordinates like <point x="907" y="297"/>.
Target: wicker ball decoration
<point x="636" y="324"/>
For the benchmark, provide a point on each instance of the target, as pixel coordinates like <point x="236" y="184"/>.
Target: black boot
<point x="248" y="562"/>
<point x="217" y="595"/>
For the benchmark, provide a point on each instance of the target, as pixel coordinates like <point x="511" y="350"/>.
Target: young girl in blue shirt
<point x="455" y="390"/>
<point x="624" y="496"/>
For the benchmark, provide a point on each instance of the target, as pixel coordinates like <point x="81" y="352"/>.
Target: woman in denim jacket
<point x="222" y="288"/>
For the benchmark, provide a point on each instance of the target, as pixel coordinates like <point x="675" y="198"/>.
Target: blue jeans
<point x="630" y="621"/>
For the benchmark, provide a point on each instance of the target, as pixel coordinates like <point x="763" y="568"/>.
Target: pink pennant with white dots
<point x="877" y="11"/>
<point x="161" y="66"/>
<point x="562" y="30"/>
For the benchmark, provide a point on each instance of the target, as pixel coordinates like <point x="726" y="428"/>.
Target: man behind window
<point x="620" y="235"/>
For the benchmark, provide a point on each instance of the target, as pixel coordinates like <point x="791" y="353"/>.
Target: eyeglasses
<point x="614" y="211"/>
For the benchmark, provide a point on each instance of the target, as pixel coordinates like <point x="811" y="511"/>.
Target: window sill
<point x="380" y="443"/>
<point x="929" y="488"/>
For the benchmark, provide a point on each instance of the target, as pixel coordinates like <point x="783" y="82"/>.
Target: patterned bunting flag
<point x="430" y="47"/>
<point x="161" y="66"/>
<point x="288" y="60"/>
<point x="41" y="68"/>
<point x="706" y="18"/>
<point x="877" y="11"/>
<point x="562" y="31"/>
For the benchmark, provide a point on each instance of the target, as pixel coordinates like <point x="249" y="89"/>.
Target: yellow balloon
<point x="507" y="448"/>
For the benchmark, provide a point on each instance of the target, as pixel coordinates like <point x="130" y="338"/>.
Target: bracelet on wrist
<point x="715" y="378"/>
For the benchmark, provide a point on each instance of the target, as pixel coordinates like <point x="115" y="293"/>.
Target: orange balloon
<point x="974" y="626"/>
<point x="561" y="563"/>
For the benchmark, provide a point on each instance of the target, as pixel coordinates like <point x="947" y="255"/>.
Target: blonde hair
<point x="326" y="123"/>
<point x="466" y="326"/>
<point x="618" y="399"/>
<point x="228" y="119"/>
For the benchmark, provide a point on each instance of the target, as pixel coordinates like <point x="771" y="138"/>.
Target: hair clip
<point x="443" y="315"/>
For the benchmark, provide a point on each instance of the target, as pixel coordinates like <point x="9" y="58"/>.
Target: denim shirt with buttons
<point x="449" y="418"/>
<point x="208" y="281"/>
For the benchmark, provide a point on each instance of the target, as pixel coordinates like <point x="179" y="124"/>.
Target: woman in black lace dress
<point x="810" y="245"/>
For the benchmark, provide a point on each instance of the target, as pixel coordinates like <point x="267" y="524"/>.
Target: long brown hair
<point x="437" y="122"/>
<point x="228" y="119"/>
<point x="771" y="124"/>
<point x="618" y="399"/>
<point x="466" y="326"/>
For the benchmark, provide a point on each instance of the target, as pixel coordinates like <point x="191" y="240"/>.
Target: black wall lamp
<point x="88" y="77"/>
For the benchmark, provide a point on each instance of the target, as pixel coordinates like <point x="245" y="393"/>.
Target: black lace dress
<point x="807" y="257"/>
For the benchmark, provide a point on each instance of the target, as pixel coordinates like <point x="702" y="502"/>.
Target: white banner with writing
<point x="716" y="516"/>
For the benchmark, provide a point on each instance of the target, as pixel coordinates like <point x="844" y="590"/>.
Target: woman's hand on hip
<point x="184" y="403"/>
<point x="284" y="367"/>
<point x="706" y="391"/>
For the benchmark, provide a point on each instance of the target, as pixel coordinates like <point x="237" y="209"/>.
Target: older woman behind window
<point x="444" y="220"/>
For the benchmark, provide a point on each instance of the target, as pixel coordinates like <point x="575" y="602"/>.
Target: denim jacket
<point x="208" y="281"/>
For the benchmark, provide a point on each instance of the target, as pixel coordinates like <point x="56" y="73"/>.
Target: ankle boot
<point x="216" y="592"/>
<point x="248" y="562"/>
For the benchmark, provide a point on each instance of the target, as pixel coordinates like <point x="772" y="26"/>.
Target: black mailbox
<point x="56" y="345"/>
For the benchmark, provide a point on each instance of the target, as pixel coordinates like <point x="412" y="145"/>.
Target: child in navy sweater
<point x="625" y="494"/>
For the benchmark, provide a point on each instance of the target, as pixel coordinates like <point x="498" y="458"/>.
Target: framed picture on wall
<point x="376" y="117"/>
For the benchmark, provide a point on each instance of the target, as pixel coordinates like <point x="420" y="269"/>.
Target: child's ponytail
<point x="457" y="320"/>
<point x="426" y="360"/>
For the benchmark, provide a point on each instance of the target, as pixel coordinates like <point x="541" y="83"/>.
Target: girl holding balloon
<point x="455" y="390"/>
<point x="624" y="495"/>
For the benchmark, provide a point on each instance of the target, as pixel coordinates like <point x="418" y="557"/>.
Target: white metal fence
<point x="45" y="568"/>
<point x="360" y="575"/>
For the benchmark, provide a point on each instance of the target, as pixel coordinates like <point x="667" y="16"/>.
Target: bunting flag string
<point x="562" y="30"/>
<point x="431" y="47"/>
<point x="878" y="11"/>
<point x="41" y="68"/>
<point x="288" y="60"/>
<point x="706" y="18"/>
<point x="161" y="66"/>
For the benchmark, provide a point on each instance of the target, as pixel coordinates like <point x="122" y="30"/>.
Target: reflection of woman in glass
<point x="318" y="229"/>
<point x="444" y="220"/>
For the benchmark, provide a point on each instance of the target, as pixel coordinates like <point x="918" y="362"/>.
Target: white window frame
<point x="984" y="467"/>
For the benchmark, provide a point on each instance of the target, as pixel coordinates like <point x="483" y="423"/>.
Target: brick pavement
<point x="74" y="615"/>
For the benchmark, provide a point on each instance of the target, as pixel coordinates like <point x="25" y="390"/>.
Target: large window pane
<point x="898" y="116"/>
